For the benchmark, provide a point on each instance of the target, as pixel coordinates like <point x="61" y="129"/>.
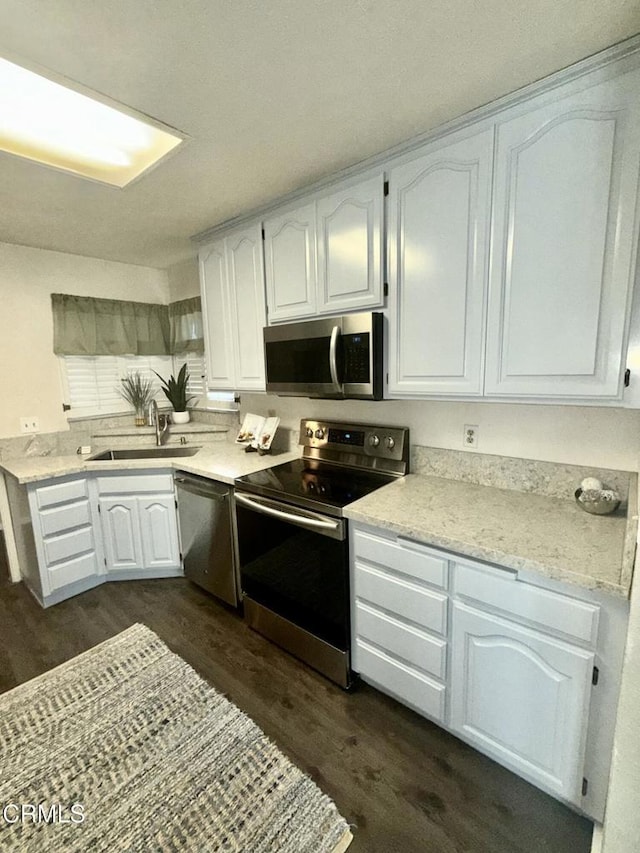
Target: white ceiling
<point x="274" y="94"/>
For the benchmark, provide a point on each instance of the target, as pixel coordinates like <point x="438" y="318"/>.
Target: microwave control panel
<point x="357" y="358"/>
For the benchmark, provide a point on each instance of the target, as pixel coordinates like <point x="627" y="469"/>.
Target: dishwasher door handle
<point x="202" y="489"/>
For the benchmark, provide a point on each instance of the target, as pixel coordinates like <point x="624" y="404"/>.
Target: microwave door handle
<point x="333" y="357"/>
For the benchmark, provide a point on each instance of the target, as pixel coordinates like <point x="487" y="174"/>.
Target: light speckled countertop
<point x="221" y="460"/>
<point x="525" y="531"/>
<point x="519" y="530"/>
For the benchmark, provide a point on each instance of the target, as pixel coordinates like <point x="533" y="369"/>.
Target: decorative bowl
<point x="596" y="507"/>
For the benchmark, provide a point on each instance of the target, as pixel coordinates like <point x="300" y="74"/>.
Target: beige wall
<point x="30" y="372"/>
<point x="580" y="435"/>
<point x="183" y="280"/>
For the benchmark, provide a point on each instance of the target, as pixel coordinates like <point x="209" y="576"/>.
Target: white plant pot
<point x="180" y="417"/>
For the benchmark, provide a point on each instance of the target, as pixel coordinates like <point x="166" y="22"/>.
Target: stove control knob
<point x="390" y="442"/>
<point x="309" y="432"/>
<point x="319" y="433"/>
<point x="374" y="440"/>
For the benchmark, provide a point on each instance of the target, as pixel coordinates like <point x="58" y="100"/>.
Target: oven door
<point x="294" y="575"/>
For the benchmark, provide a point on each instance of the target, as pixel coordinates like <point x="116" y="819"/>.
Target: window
<point x="92" y="382"/>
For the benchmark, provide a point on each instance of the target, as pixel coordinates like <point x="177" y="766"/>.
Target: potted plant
<point x="139" y="392"/>
<point x="175" y="390"/>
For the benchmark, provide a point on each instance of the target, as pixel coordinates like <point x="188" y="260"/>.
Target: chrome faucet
<point x="161" y="424"/>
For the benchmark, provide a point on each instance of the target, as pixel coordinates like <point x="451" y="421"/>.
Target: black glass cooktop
<point x="313" y="484"/>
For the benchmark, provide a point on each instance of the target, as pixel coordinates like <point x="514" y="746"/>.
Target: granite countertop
<point x="518" y="530"/>
<point x="223" y="461"/>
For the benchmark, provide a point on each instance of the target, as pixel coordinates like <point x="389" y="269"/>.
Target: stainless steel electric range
<point x="293" y="542"/>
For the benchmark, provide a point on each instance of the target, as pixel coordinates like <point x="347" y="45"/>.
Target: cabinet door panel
<point x="247" y="302"/>
<point x="58" y="493"/>
<point x="400" y="639"/>
<point x="290" y="260"/>
<point x="71" y="571"/>
<point x="65" y="517"/>
<point x="409" y="600"/>
<point x="121" y="528"/>
<point x="562" y="245"/>
<point x="522" y="698"/>
<point x="158" y="525"/>
<point x="405" y="683"/>
<point x="216" y="317"/>
<point x="68" y="545"/>
<point x="402" y="555"/>
<point x="349" y="241"/>
<point x="439" y="209"/>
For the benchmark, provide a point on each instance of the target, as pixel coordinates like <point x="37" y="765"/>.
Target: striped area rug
<point x="126" y="748"/>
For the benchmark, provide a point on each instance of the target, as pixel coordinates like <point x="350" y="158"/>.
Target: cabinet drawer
<point x="73" y="570"/>
<point x="404" y="556"/>
<point x="531" y="604"/>
<point x="67" y="545"/>
<point x="65" y="517"/>
<point x="404" y="641"/>
<point x="401" y="681"/>
<point x="60" y="493"/>
<point x="406" y="599"/>
<point x="135" y="483"/>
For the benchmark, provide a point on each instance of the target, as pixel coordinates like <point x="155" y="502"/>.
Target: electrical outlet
<point x="30" y="424"/>
<point x="470" y="435"/>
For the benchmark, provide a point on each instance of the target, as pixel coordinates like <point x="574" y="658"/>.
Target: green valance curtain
<point x="185" y="323"/>
<point x="84" y="325"/>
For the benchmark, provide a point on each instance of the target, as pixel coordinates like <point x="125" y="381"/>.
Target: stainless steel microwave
<point x="336" y="357"/>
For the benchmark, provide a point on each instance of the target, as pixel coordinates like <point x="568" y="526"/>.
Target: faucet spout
<point x="161" y="423"/>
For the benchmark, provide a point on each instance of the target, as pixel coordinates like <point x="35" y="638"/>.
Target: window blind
<point x="93" y="382"/>
<point x="197" y="383"/>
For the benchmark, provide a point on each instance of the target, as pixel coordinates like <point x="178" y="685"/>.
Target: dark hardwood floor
<point x="404" y="784"/>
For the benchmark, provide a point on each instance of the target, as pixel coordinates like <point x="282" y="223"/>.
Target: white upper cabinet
<point x="349" y="244"/>
<point x="290" y="263"/>
<point x="325" y="257"/>
<point x="216" y="313"/>
<point x="563" y="241"/>
<point x="439" y="213"/>
<point x="247" y="302"/>
<point x="233" y="303"/>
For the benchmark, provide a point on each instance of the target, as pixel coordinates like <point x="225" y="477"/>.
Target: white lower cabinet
<point x="400" y="621"/>
<point x="521" y="697"/>
<point x="121" y="530"/>
<point x="64" y="538"/>
<point x="159" y="531"/>
<point x="139" y="524"/>
<point x="92" y="528"/>
<point x="506" y="665"/>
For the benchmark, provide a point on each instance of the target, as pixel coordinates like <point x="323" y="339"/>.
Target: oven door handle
<point x="308" y="520"/>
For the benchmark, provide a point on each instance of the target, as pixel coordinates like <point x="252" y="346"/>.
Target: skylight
<point x="51" y="124"/>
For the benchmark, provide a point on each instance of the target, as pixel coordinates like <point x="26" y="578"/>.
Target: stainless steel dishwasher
<point x="204" y="512"/>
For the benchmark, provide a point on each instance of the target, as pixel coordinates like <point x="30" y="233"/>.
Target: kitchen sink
<point x="142" y="453"/>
